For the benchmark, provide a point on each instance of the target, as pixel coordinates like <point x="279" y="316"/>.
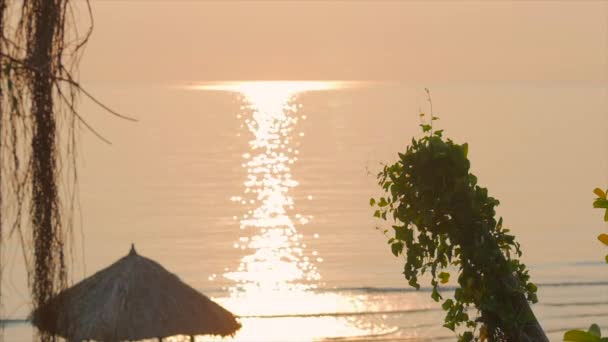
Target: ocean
<point x="257" y="194"/>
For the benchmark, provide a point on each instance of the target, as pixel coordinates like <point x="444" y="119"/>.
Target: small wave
<point x="342" y="314"/>
<point x="370" y="289"/>
<point x="581" y="315"/>
<point x="588" y="263"/>
<point x="417" y="326"/>
<point x="364" y="337"/>
<point x="392" y="338"/>
<point x="574" y="283"/>
<point x="9" y="322"/>
<point x="579" y="263"/>
<point x="595" y="303"/>
<point x="219" y="292"/>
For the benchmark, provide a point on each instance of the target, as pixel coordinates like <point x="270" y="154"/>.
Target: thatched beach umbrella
<point x="133" y="299"/>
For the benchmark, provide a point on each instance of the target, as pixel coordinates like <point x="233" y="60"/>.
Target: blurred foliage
<point x="602" y="203"/>
<point x="442" y="218"/>
<point x="593" y="334"/>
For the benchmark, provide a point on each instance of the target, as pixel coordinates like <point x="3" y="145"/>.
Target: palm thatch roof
<point x="133" y="299"/>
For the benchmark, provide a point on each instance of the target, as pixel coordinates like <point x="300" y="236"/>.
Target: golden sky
<point x="353" y="40"/>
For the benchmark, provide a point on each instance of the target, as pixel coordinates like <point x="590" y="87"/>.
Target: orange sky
<point x="398" y="40"/>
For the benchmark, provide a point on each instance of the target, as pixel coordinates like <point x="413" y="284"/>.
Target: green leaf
<point x="499" y="224"/>
<point x="377" y="214"/>
<point x="600" y="193"/>
<point x="444" y="277"/>
<point x="594" y="329"/>
<point x="435" y="295"/>
<point x="600" y="203"/>
<point x="466" y="337"/>
<point x="472" y="179"/>
<point x="465" y="149"/>
<point x="372" y="201"/>
<point x="383" y="202"/>
<point x="606" y="258"/>
<point x="397" y="248"/>
<point x="394" y="191"/>
<point x="462" y="317"/>
<point x="580" y="336"/>
<point x="401" y="233"/>
<point x="532" y="297"/>
<point x="603" y="238"/>
<point x="426" y="128"/>
<point x="450" y="325"/>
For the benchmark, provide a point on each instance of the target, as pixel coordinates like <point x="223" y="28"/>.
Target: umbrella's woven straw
<point x="135" y="298"/>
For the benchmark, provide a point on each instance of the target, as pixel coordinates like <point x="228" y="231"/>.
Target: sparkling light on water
<point x="274" y="282"/>
<point x="277" y="263"/>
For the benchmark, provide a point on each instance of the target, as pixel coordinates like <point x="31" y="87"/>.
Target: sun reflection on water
<point x="275" y="282"/>
<point x="278" y="262"/>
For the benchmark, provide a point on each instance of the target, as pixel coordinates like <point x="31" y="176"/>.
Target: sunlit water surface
<point x="256" y="194"/>
<point x="278" y="276"/>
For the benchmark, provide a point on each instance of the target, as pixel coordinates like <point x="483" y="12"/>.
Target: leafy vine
<point x="442" y="218"/>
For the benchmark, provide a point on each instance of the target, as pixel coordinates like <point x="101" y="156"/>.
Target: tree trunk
<point x="48" y="247"/>
<point x="2" y="9"/>
<point x="532" y="331"/>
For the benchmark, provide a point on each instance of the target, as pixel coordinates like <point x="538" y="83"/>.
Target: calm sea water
<point x="305" y="252"/>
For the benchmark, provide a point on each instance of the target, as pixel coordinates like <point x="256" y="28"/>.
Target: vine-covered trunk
<point x="2" y="9"/>
<point x="532" y="330"/>
<point x="524" y="326"/>
<point x="442" y="218"/>
<point x="49" y="265"/>
<point x="38" y="90"/>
